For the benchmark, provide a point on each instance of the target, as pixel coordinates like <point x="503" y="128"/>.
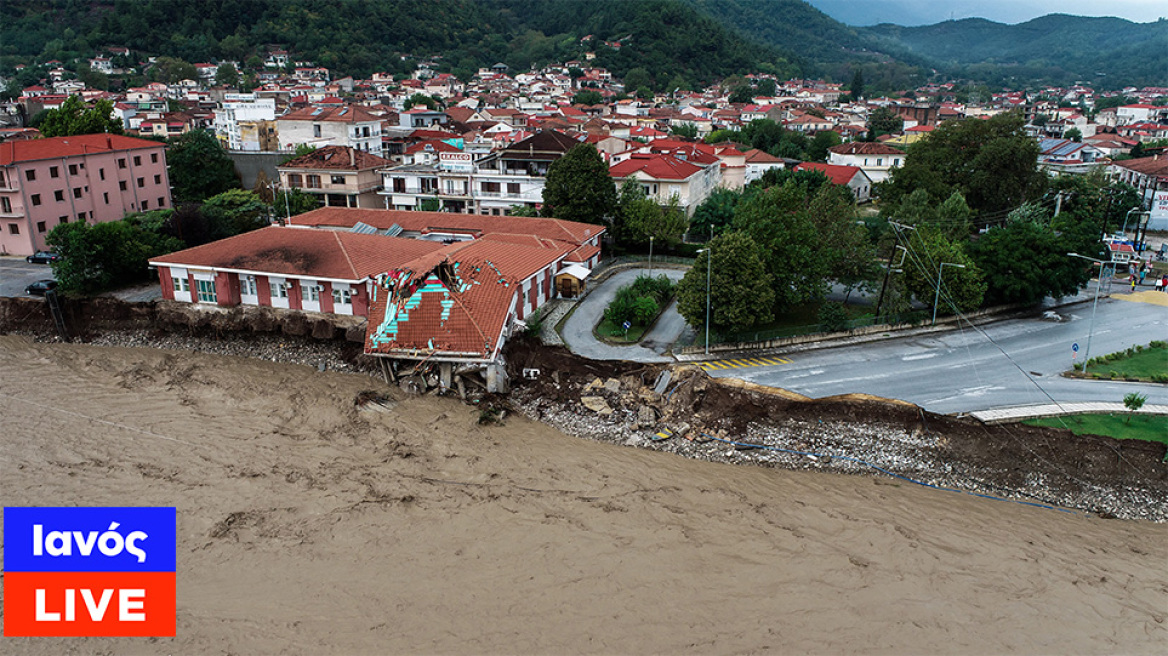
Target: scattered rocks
<point x="596" y="404"/>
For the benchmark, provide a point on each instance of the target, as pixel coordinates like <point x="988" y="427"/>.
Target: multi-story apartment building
<point x="492" y="185"/>
<point x="338" y="175"/>
<point x="351" y="126"/>
<point x="238" y="113"/>
<point x="91" y="177"/>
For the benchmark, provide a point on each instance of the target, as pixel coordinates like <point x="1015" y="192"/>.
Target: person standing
<point x="1132" y="278"/>
<point x="1159" y="284"/>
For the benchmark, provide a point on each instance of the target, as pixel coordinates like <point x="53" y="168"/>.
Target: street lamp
<point x="650" y="256"/>
<point x="937" y="296"/>
<point x="709" y="268"/>
<point x="1095" y="304"/>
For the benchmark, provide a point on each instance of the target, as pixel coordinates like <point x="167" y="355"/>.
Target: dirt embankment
<point x="724" y="420"/>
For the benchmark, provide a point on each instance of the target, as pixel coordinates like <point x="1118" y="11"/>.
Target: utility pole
<point x="896" y="228"/>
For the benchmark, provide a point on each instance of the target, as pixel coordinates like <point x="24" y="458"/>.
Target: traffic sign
<point x="1075" y="347"/>
<point x="628" y="324"/>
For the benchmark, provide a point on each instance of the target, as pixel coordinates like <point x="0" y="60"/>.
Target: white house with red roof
<point x="852" y="177"/>
<point x="758" y="162"/>
<point x="1135" y="113"/>
<point x="876" y="159"/>
<point x="90" y="177"/>
<point x="664" y="177"/>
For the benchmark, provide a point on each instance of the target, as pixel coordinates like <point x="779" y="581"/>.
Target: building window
<point x="72" y="169"/>
<point x="5" y="205"/>
<point x="313" y="181"/>
<point x="101" y="173"/>
<point x="141" y="182"/>
<point x="81" y="216"/>
<point x="279" y="290"/>
<point x="54" y="172"/>
<point x="879" y="161"/>
<point x="62" y="219"/>
<point x="313" y="293"/>
<point x="206" y="291"/>
<point x="294" y="180"/>
<point x="105" y="197"/>
<point x="121" y="162"/>
<point x="13" y="229"/>
<point x="316" y="131"/>
<point x="247" y="286"/>
<point x="182" y="285"/>
<point x="145" y="204"/>
<point x="342" y="296"/>
<point x="161" y="201"/>
<point x="41" y="226"/>
<point x="30" y="175"/>
<point x="158" y="179"/>
<point x="137" y="160"/>
<point x="153" y="158"/>
<point x="122" y="185"/>
<point x="36" y="199"/>
<point x="491" y="187"/>
<point x="77" y="192"/>
<point x="399" y="185"/>
<point x="338" y="179"/>
<point x="513" y="187"/>
<point x="59" y="194"/>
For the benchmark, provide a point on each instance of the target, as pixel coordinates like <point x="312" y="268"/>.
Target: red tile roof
<point x="338" y="158"/>
<point x="658" y="167"/>
<point x="349" y="114"/>
<point x="840" y="175"/>
<point x="74" y="146"/>
<point x="303" y="253"/>
<point x="473" y="224"/>
<point x="864" y="148"/>
<point x="455" y="302"/>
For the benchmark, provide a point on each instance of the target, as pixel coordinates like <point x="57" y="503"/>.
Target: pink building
<point x="90" y="177"/>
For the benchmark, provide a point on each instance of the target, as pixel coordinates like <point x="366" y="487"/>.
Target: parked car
<point x="43" y="257"/>
<point x="39" y="287"/>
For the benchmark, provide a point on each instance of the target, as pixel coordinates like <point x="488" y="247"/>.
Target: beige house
<point x="340" y="176"/>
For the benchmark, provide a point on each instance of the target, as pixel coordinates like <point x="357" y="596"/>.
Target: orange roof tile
<point x="74" y="146"/>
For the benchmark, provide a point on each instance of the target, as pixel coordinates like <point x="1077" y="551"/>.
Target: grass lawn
<point x="1150" y="428"/>
<point x="1142" y="365"/>
<point x="606" y="331"/>
<point x="798" y="320"/>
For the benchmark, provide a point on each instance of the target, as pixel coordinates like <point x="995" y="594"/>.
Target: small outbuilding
<point x="570" y="280"/>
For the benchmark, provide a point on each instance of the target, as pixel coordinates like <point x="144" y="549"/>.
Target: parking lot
<point x="16" y="274"/>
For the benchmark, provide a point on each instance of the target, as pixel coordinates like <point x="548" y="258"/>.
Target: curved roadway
<point x="577" y="330"/>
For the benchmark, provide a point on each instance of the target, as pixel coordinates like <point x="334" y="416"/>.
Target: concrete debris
<point x="596" y="404"/>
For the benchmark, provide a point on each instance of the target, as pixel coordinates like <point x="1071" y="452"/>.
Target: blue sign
<point x="138" y="539"/>
<point x="1075" y="347"/>
<point x="628" y="325"/>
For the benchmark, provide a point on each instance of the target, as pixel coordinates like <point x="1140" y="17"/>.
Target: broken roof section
<point x="454" y="304"/>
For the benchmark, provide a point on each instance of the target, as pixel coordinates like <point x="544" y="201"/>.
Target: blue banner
<point x="89" y="539"/>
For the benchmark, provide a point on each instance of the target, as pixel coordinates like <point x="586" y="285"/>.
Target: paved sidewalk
<point x="1020" y="413"/>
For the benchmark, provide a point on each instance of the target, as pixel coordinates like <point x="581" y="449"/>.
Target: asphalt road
<point x="16" y="274"/>
<point x="1013" y="363"/>
<point x="577" y="330"/>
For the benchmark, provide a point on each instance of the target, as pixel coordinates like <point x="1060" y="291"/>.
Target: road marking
<point x="741" y="363"/>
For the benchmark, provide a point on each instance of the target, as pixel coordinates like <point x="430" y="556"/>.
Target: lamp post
<point x="1095" y="304"/>
<point x="937" y="296"/>
<point x="650" y="256"/>
<point x="709" y="268"/>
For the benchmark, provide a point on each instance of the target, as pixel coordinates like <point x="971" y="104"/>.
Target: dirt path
<point x="307" y="525"/>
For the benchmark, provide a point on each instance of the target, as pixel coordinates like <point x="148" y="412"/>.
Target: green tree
<point x="883" y="120"/>
<point x="199" y="168"/>
<point x="637" y="78"/>
<point x="741" y="292"/>
<point x="73" y="117"/>
<point x="422" y="99"/>
<point x="991" y="162"/>
<point x="684" y="130"/>
<point x="961" y="287"/>
<point x="1133" y="402"/>
<point x="578" y="187"/>
<point x="953" y="217"/>
<point x="587" y="97"/>
<point x="1024" y="262"/>
<point x="857" y="87"/>
<point x="524" y="210"/>
<point x="171" y="69"/>
<point x="291" y="202"/>
<point x="1074" y="134"/>
<point x="767" y="87"/>
<point x="778" y="221"/>
<point x="820" y="143"/>
<point x="235" y="211"/>
<point x="638" y="218"/>
<point x="716" y="213"/>
<point x="226" y="75"/>
<point x="743" y="94"/>
<point x="103" y="256"/>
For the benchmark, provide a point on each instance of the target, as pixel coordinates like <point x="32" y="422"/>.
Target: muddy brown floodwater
<point x="307" y="524"/>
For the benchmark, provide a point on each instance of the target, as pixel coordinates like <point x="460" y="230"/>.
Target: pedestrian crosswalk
<point x="741" y="363"/>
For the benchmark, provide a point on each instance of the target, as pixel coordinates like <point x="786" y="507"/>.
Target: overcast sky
<point x="926" y="12"/>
